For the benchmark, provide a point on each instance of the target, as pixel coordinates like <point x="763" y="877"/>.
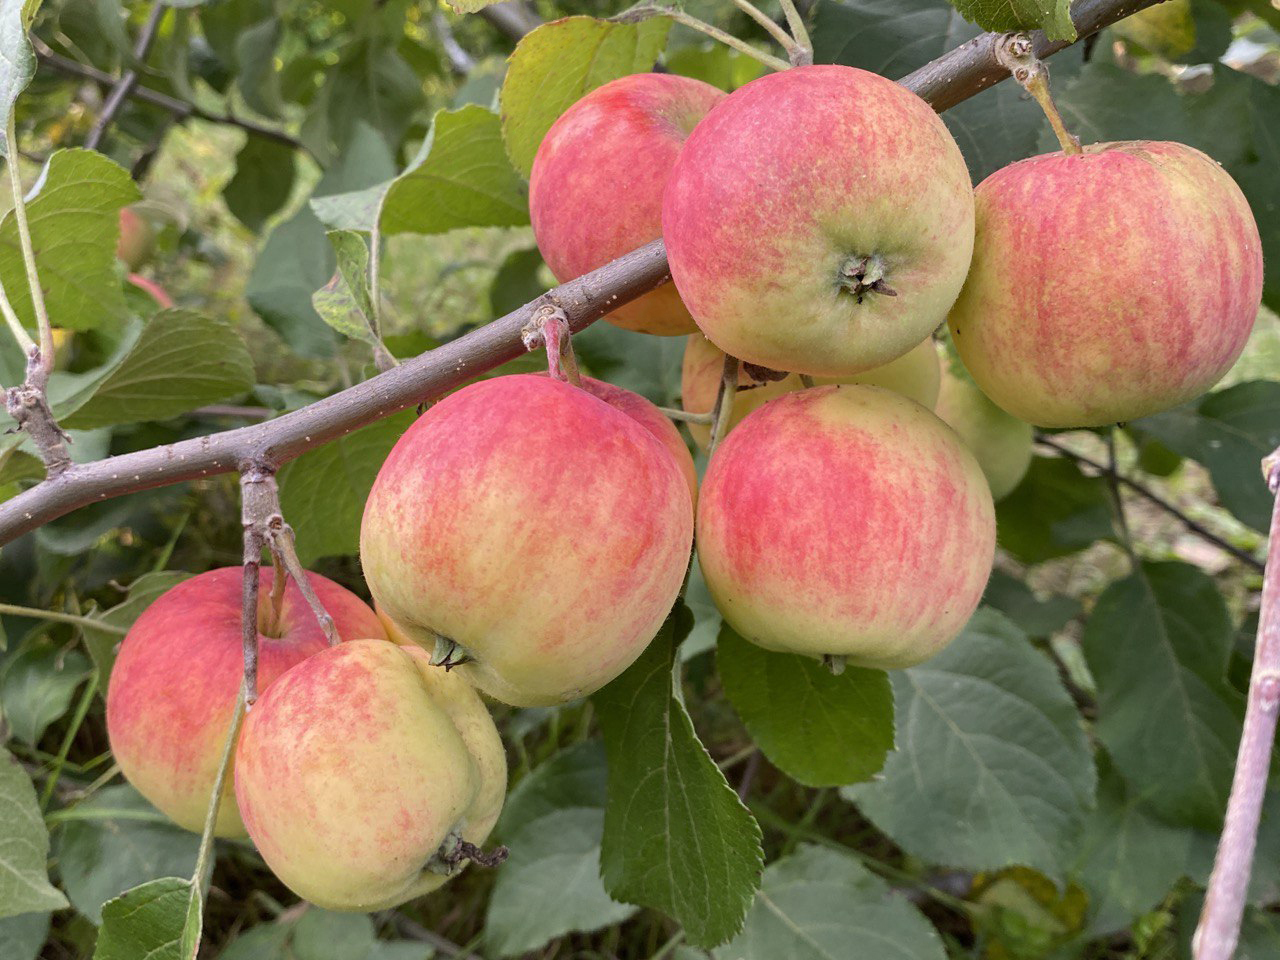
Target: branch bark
<point x="120" y="92"/>
<point x="515" y="18"/>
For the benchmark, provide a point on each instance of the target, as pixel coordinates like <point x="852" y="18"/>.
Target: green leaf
<point x="73" y="212"/>
<point x="143" y="591"/>
<point x="37" y="686"/>
<point x="345" y="303"/>
<point x="146" y="922"/>
<point x="1051" y="16"/>
<point x="818" y="904"/>
<point x="17" y="59"/>
<point x="463" y="180"/>
<point x="371" y="85"/>
<point x="1106" y="102"/>
<point x="1157" y="644"/>
<point x="559" y="63"/>
<point x="1128" y="859"/>
<point x="1229" y="432"/>
<point x="177" y="361"/>
<point x="716" y="64"/>
<point x="517" y="282"/>
<point x="639" y="362"/>
<point x="257" y="77"/>
<point x="888" y="37"/>
<point x="550" y="884"/>
<point x="262" y="182"/>
<point x="24" y="846"/>
<point x="1038" y="618"/>
<point x="469" y="6"/>
<point x="323" y="491"/>
<point x="21" y="937"/>
<point x="676" y="836"/>
<point x="574" y="777"/>
<point x="820" y="729"/>
<point x="1055" y="511"/>
<point x="1256" y="176"/>
<point x="325" y="935"/>
<point x="992" y="767"/>
<point x="115" y="841"/>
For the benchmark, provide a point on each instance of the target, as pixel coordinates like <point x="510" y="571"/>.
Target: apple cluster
<point x="527" y="536"/>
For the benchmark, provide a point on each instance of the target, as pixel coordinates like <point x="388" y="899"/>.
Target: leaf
<point x="716" y="64"/>
<point x="550" y="884"/>
<point x="24" y="846"/>
<point x="639" y="362"/>
<point x="143" y="591"/>
<point x="574" y="777"/>
<point x="1056" y="510"/>
<point x="323" y="491"/>
<point x="146" y="923"/>
<point x="21" y="937"/>
<point x="17" y="59"/>
<point x="1157" y="643"/>
<point x="469" y="6"/>
<point x="888" y="37"/>
<point x="345" y="302"/>
<point x="676" y="836"/>
<point x="321" y="935"/>
<point x="1038" y="618"/>
<point x="1106" y="102"/>
<point x="257" y="78"/>
<point x="999" y="16"/>
<point x="114" y="841"/>
<point x="37" y="687"/>
<point x="325" y="935"/>
<point x="1256" y="176"/>
<point x="1229" y="432"/>
<point x="177" y="361"/>
<point x="464" y="180"/>
<point x="262" y="183"/>
<point x="559" y="63"/>
<point x="992" y="767"/>
<point x="517" y="282"/>
<point x="371" y="87"/>
<point x="820" y="729"/>
<point x="74" y="215"/>
<point x="818" y="903"/>
<point x="1128" y="859"/>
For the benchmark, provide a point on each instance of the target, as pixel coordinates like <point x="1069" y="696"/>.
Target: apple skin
<point x="356" y="766"/>
<point x="175" y="681"/>
<point x="541" y="529"/>
<point x="1000" y="442"/>
<point x="137" y="239"/>
<point x="595" y="191"/>
<point x="846" y="520"/>
<point x="916" y="375"/>
<point x="153" y="289"/>
<point x="788" y="182"/>
<point x="1107" y="285"/>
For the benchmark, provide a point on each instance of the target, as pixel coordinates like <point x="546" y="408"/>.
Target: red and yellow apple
<point x="540" y="530"/>
<point x="595" y="192"/>
<point x="820" y="221"/>
<point x="916" y="375"/>
<point x="359" y="770"/>
<point x="137" y="239"/>
<point x="1109" y="284"/>
<point x="1000" y="442"/>
<point x="175" y="681"/>
<point x="846" y="521"/>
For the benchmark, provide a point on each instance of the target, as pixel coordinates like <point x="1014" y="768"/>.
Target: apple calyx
<point x="455" y="851"/>
<point x="863" y="274"/>
<point x="760" y="375"/>
<point x="835" y="662"/>
<point x="449" y="654"/>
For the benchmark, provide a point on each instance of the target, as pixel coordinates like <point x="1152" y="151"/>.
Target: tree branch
<point x="514" y="18"/>
<point x="1219" y="926"/>
<point x="120" y="92"/>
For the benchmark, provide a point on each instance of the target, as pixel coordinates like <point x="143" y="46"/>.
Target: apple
<point x="540" y="530"/>
<point x="916" y="375"/>
<point x="175" y="681"/>
<point x="1109" y="284"/>
<point x="595" y="191"/>
<point x="1001" y="443"/>
<point x="846" y="521"/>
<point x="153" y="289"/>
<point x="820" y="221"/>
<point x="137" y="239"/>
<point x="360" y="769"/>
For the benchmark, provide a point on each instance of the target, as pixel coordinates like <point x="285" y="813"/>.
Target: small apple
<point x="819" y="220"/>
<point x="846" y="521"/>
<point x="1001" y="443"/>
<point x="595" y="192"/>
<point x="360" y="770"/>
<point x="916" y="375"/>
<point x="540" y="532"/>
<point x="175" y="681"/>
<point x="137" y="239"/>
<point x="1109" y="284"/>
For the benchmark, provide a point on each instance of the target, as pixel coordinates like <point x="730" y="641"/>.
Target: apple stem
<point x="283" y="541"/>
<point x="461" y="850"/>
<point x="685" y="416"/>
<point x="257" y="487"/>
<point x="549" y="327"/>
<point x="796" y="53"/>
<point x="448" y="654"/>
<point x="645" y="11"/>
<point x="279" y="580"/>
<point x="807" y="381"/>
<point x="724" y="402"/>
<point x="800" y="50"/>
<point x="1219" y="928"/>
<point x="1017" y="55"/>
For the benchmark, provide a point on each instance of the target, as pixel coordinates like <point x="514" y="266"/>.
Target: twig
<point x="257" y="506"/>
<point x="29" y="256"/>
<point x="550" y="328"/>
<point x="28" y="405"/>
<point x="801" y="50"/>
<point x="644" y="11"/>
<point x="120" y="92"/>
<point x="179" y="108"/>
<point x="684" y="415"/>
<point x="775" y="31"/>
<point x="60" y="761"/>
<point x="461" y="61"/>
<point x="1193" y="525"/>
<point x="515" y="18"/>
<point x="418" y="932"/>
<point x="1112" y="474"/>
<point x="1219" y="927"/>
<point x="281" y="536"/>
<point x="724" y="402"/>
<point x="1017" y="55"/>
<point x="215" y="801"/>
<point x="749" y="775"/>
<point x="15" y="611"/>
